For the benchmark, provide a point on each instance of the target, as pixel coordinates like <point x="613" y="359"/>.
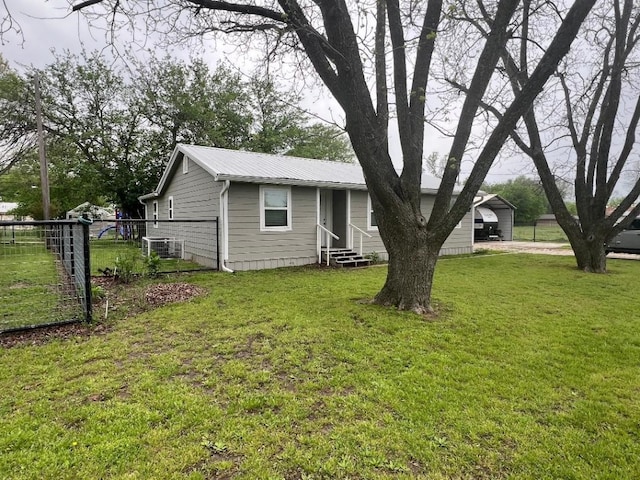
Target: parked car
<point x="627" y="241"/>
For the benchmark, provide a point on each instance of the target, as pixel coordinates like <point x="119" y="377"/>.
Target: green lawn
<point x="530" y="372"/>
<point x="539" y="233"/>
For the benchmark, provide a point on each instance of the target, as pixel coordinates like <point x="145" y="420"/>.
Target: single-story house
<point x="493" y="217"/>
<point x="274" y="210"/>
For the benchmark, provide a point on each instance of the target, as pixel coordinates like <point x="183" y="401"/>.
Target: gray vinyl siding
<point x="359" y="205"/>
<point x="253" y="249"/>
<point x="195" y="196"/>
<point x="459" y="242"/>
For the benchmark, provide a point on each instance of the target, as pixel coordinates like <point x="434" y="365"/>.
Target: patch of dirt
<point x="546" y="248"/>
<point x="121" y="300"/>
<point x="40" y="336"/>
<point x="164" y="293"/>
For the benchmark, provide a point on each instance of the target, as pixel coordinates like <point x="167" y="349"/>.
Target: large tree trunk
<point x="589" y="252"/>
<point x="409" y="278"/>
<point x="413" y="253"/>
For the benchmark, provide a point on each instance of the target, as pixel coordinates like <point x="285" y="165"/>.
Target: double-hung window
<point x="275" y="208"/>
<point x="170" y="208"/>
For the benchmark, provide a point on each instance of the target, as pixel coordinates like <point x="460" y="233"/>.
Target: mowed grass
<point x="539" y="233"/>
<point x="531" y="371"/>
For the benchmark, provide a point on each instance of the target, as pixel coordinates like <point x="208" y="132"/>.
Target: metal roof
<point x="492" y="200"/>
<point x="251" y="167"/>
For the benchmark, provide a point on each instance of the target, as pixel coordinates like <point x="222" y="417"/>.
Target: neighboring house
<point x="493" y="217"/>
<point x="274" y="211"/>
<point x="5" y="211"/>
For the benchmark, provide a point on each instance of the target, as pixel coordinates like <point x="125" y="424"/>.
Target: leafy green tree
<point x="71" y="183"/>
<point x="88" y="105"/>
<point x="278" y="121"/>
<point x="324" y="142"/>
<point x="187" y="103"/>
<point x="17" y="125"/>
<point x="109" y="135"/>
<point x="526" y="194"/>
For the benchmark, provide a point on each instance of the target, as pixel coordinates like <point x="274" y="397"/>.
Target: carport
<point x="503" y="210"/>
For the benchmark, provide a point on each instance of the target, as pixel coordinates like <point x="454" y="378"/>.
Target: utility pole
<point x="44" y="168"/>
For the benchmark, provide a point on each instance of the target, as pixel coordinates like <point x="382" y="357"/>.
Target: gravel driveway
<point x="546" y="248"/>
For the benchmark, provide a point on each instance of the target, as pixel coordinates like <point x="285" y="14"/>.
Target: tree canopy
<point x="110" y="132"/>
<point x="526" y="194"/>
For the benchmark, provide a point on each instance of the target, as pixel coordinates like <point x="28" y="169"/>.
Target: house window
<point x="372" y="223"/>
<point x="185" y="164"/>
<point x="170" y="208"/>
<point x="155" y="214"/>
<point x="275" y="208"/>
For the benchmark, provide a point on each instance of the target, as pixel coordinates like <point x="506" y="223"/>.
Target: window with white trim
<point x="275" y="208"/>
<point x="185" y="164"/>
<point x="372" y="223"/>
<point x="170" y="208"/>
<point x="155" y="214"/>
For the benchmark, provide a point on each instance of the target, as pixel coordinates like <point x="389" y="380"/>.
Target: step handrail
<point x="321" y="230"/>
<point x="362" y="232"/>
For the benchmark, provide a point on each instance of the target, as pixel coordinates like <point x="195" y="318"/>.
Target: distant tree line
<point x="110" y="131"/>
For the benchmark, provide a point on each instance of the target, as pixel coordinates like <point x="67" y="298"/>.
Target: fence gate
<point x="44" y="274"/>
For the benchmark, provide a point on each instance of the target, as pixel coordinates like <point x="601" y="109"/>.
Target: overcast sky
<point x="49" y="24"/>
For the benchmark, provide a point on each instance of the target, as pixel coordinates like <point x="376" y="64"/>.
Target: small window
<point x="170" y="208"/>
<point x="372" y="223"/>
<point x="185" y="164"/>
<point x="275" y="208"/>
<point x="155" y="214"/>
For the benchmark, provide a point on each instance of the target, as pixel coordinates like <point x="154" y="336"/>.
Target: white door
<point x="326" y="217"/>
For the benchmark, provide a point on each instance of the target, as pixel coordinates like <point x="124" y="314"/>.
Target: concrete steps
<point x="344" y="257"/>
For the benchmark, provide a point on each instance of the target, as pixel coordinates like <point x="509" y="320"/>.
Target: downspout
<point x="224" y="208"/>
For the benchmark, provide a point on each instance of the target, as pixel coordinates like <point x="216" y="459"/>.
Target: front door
<point x="326" y="214"/>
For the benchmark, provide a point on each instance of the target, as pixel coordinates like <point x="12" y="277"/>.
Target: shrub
<point x="126" y="266"/>
<point x="374" y="257"/>
<point x="97" y="293"/>
<point x="152" y="264"/>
